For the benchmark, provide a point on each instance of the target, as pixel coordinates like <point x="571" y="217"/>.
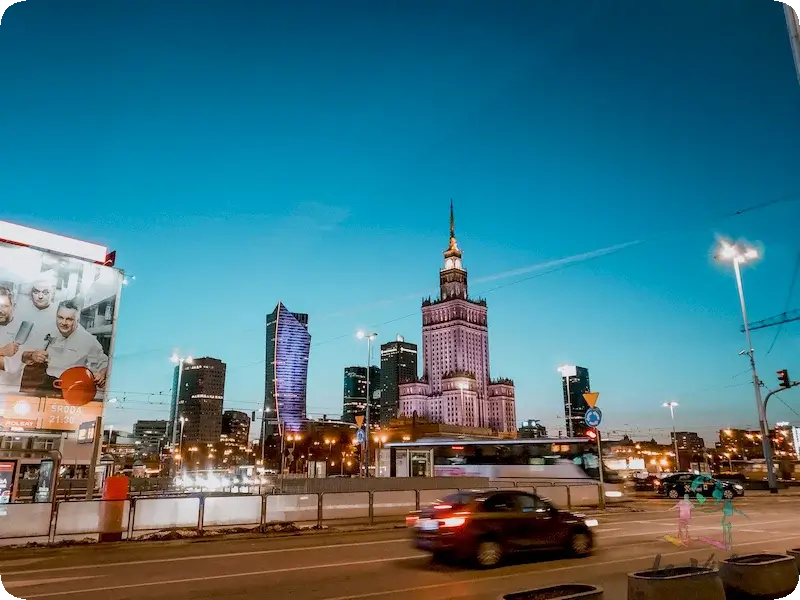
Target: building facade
<point x="152" y="435"/>
<point x="574" y="384"/>
<point x="398" y="365"/>
<point x="355" y="394"/>
<point x="456" y="387"/>
<point x="286" y="377"/>
<point x="200" y="400"/>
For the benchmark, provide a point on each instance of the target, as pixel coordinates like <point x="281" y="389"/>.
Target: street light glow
<point x="737" y="252"/>
<point x="670" y="404"/>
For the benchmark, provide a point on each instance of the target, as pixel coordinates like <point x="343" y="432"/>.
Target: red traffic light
<point x="783" y="378"/>
<point x="591" y="434"/>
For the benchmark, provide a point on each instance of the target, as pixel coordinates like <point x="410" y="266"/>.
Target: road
<point x="376" y="564"/>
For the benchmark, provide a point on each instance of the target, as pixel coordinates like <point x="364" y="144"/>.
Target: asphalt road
<point x="377" y="564"/>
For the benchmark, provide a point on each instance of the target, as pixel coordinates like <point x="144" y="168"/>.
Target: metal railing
<point x="199" y="513"/>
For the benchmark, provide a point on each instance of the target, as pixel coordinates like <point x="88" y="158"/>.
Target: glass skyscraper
<point x="288" y="347"/>
<point x="574" y="384"/>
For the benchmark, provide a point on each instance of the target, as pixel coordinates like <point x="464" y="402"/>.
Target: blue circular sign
<point x="593" y="417"/>
<point x="360" y="436"/>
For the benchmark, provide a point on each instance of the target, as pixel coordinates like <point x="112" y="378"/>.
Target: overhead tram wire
<point x="787" y="305"/>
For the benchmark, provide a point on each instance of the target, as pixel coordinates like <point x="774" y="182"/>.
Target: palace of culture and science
<point x="455" y="387"/>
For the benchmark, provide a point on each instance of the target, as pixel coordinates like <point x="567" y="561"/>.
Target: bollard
<point x="112" y="508"/>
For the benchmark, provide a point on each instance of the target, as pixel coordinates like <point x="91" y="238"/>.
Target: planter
<point x="697" y="583"/>
<point x="759" y="576"/>
<point x="795" y="554"/>
<point x="567" y="591"/>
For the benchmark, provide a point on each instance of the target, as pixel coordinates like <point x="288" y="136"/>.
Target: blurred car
<point x="485" y="527"/>
<point x="678" y="485"/>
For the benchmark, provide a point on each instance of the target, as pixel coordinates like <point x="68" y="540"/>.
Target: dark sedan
<point x="680" y="484"/>
<point x="485" y="527"/>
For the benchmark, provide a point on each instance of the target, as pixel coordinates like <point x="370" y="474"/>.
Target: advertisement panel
<point x="57" y="324"/>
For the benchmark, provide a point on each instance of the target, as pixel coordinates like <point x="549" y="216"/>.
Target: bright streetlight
<point x="180" y="361"/>
<point x="671" y="406"/>
<point x="369" y="337"/>
<point x="740" y="254"/>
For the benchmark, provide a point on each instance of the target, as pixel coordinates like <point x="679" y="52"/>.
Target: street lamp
<point x="740" y="254"/>
<point x="671" y="406"/>
<point x="369" y="337"/>
<point x="180" y="361"/>
<point x="180" y="444"/>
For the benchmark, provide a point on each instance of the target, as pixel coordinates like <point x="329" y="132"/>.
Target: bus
<point x="556" y="462"/>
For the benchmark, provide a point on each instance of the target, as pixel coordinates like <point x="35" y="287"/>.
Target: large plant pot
<point x="567" y="591"/>
<point x="759" y="576"/>
<point x="795" y="554"/>
<point x="697" y="583"/>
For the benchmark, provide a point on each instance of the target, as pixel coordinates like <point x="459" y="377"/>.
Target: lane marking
<point x="473" y="581"/>
<point x="226" y="576"/>
<point x="152" y="561"/>
<point x="402" y="540"/>
<point x="31" y="582"/>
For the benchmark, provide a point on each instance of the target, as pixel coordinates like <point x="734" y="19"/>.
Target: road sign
<point x="361" y="436"/>
<point x="591" y="398"/>
<point x="593" y="417"/>
<point x="359" y="421"/>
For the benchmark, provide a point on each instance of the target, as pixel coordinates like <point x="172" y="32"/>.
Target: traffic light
<point x="591" y="434"/>
<point x="783" y="379"/>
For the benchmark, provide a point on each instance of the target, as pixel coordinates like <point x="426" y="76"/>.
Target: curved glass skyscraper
<point x="288" y="347"/>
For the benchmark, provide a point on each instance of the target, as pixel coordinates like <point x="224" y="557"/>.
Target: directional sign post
<point x="593" y="419"/>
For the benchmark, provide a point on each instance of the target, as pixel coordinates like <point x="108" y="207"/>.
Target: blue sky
<point x="237" y="154"/>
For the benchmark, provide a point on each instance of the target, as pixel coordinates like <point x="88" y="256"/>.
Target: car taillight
<point x="458" y="520"/>
<point x="411" y="520"/>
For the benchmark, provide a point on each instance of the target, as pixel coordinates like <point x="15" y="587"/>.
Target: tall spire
<point x="452" y="221"/>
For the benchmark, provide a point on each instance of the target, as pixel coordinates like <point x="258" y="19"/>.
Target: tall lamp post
<point x="740" y="254"/>
<point x="369" y="337"/>
<point x="180" y="361"/>
<point x="671" y="406"/>
<point x="180" y="443"/>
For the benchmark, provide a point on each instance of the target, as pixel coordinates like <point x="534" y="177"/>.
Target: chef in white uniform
<point x="38" y="306"/>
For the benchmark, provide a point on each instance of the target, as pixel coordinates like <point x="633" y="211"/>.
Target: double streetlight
<point x="738" y="255"/>
<point x="180" y="361"/>
<point x="370" y="337"/>
<point x="672" y="406"/>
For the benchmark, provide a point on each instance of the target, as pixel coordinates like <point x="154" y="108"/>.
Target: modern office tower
<point x="574" y="384"/>
<point x="200" y="400"/>
<point x="456" y="387"/>
<point x="355" y="394"/>
<point x="152" y="435"/>
<point x="398" y="365"/>
<point x="286" y="377"/>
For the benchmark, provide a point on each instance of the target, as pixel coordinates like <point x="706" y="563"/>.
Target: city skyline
<point x="593" y="185"/>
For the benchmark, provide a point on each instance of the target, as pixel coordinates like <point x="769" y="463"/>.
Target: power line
<point x="788" y="300"/>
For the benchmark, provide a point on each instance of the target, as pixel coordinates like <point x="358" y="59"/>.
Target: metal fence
<point x="139" y="516"/>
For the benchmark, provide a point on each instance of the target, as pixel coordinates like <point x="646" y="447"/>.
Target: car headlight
<point x="591" y="522"/>
<point x="738" y="487"/>
<point x="613" y="494"/>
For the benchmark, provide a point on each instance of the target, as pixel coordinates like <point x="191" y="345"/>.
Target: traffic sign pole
<point x="591" y="400"/>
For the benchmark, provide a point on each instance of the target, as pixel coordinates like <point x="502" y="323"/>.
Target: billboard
<point x="57" y="324"/>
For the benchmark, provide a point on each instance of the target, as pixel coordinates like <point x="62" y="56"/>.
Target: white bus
<point x="555" y="462"/>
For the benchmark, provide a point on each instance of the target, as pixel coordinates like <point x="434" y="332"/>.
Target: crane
<point x="787" y="317"/>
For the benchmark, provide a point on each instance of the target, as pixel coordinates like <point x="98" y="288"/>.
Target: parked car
<point x="677" y="485"/>
<point x="485" y="527"/>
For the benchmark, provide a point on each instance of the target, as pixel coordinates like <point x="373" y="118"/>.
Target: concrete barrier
<point x="83" y="518"/>
<point x="232" y="511"/>
<point x="153" y="514"/>
<point x="428" y="497"/>
<point x="25" y="520"/>
<point x="295" y="508"/>
<point x="394" y="504"/>
<point x="345" y="506"/>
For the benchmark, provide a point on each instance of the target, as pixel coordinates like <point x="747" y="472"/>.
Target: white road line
<point x="31" y="582"/>
<point x="206" y="557"/>
<point x="474" y="581"/>
<point x="607" y="530"/>
<point x="226" y="576"/>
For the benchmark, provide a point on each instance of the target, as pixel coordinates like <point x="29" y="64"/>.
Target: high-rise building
<point x="688" y="441"/>
<point x="456" y="388"/>
<point x="200" y="400"/>
<point x="574" y="384"/>
<point x="174" y="400"/>
<point x="286" y="378"/>
<point x="235" y="427"/>
<point x="152" y="435"/>
<point x="355" y="394"/>
<point x="398" y="365"/>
